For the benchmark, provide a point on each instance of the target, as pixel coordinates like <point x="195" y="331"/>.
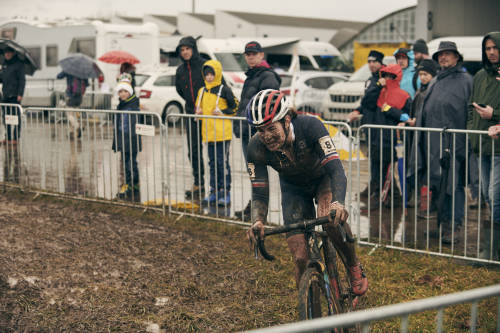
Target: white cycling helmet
<point x="267" y="106"/>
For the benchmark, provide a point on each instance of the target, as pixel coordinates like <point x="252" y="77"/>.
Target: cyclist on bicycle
<point x="300" y="149"/>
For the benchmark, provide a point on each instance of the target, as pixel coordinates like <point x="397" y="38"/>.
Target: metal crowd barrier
<point x="403" y="310"/>
<point x="12" y="124"/>
<point x="389" y="216"/>
<point x="181" y="179"/>
<point x="67" y="151"/>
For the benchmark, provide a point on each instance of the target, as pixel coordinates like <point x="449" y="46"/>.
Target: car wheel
<point x="171" y="108"/>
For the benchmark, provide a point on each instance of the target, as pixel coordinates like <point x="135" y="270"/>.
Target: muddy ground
<point x="76" y="266"/>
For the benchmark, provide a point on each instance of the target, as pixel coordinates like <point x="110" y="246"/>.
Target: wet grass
<point x="100" y="268"/>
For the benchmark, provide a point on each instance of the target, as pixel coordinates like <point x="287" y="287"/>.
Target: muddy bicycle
<point x="324" y="288"/>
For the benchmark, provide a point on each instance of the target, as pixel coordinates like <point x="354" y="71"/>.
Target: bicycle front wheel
<point x="315" y="300"/>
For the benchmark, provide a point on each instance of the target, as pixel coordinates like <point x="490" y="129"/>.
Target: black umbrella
<point x="80" y="66"/>
<point x="29" y="64"/>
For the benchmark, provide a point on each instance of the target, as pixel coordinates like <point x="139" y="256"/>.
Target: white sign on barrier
<point x="146" y="130"/>
<point x="11" y="120"/>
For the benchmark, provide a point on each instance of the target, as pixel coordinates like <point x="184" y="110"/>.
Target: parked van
<point x="345" y="97"/>
<point x="227" y="51"/>
<point x="49" y="43"/>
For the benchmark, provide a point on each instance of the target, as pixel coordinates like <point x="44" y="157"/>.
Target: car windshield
<point x="140" y="79"/>
<point x="230" y="62"/>
<point x="331" y="63"/>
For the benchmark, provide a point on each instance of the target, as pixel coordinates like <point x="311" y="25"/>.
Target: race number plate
<point x="327" y="145"/>
<point x="145" y="130"/>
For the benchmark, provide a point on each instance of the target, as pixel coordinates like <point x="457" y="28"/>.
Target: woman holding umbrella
<point x="126" y="62"/>
<point x="77" y="69"/>
<point x="13" y="79"/>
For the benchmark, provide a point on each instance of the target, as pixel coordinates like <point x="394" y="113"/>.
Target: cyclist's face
<point x="272" y="135"/>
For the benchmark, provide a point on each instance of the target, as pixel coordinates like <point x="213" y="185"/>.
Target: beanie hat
<point x="420" y="46"/>
<point x="125" y="85"/>
<point x="208" y="70"/>
<point x="401" y="51"/>
<point x="375" y="55"/>
<point x="428" y="65"/>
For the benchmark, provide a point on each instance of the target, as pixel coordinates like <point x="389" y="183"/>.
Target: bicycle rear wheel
<point x="315" y="300"/>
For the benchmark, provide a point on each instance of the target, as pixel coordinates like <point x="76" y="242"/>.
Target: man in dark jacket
<point x="260" y="76"/>
<point x="445" y="106"/>
<point x="484" y="112"/>
<point x="13" y="79"/>
<point x="392" y="106"/>
<point x="426" y="71"/>
<point x="188" y="80"/>
<point x="367" y="109"/>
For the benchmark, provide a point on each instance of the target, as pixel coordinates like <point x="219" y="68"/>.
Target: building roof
<point x="168" y="19"/>
<point x="342" y="36"/>
<point x="208" y="18"/>
<point x="131" y="19"/>
<point x="295" y="21"/>
<point x="371" y="25"/>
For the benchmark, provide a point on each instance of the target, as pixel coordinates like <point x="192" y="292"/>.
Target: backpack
<point x="77" y="87"/>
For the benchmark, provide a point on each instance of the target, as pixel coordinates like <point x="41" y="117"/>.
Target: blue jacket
<point x="406" y="83"/>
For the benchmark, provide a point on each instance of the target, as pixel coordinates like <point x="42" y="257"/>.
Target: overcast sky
<point x="354" y="10"/>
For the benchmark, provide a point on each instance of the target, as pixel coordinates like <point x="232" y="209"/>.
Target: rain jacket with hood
<point x="259" y="78"/>
<point x="445" y="106"/>
<point x="13" y="78"/>
<point x="125" y="137"/>
<point x="408" y="73"/>
<point x="188" y="78"/>
<point x="486" y="90"/>
<point x="215" y="94"/>
<point x="397" y="100"/>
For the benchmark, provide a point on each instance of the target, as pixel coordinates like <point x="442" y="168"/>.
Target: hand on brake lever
<point x="258" y="226"/>
<point x="341" y="213"/>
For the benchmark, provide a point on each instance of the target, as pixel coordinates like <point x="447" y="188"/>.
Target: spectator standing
<point x="260" y="76"/>
<point x="75" y="90"/>
<point x="420" y="52"/>
<point x="404" y="58"/>
<point x="445" y="106"/>
<point x="14" y="81"/>
<point x="367" y="109"/>
<point x="188" y="81"/>
<point x="126" y="141"/>
<point x="217" y="99"/>
<point x="486" y="91"/>
<point x="392" y="107"/>
<point x="426" y="70"/>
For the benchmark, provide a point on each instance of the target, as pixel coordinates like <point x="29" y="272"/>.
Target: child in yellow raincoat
<point x="217" y="99"/>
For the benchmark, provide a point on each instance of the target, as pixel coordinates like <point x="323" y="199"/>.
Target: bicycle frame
<point x="324" y="266"/>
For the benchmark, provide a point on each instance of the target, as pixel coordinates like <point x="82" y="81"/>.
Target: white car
<point x="157" y="93"/>
<point x="310" y="88"/>
<point x="344" y="97"/>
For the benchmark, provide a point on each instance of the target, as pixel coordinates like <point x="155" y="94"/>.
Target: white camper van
<point x="49" y="43"/>
<point x="281" y="53"/>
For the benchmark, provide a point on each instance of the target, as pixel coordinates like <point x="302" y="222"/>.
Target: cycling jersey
<point x="313" y="157"/>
